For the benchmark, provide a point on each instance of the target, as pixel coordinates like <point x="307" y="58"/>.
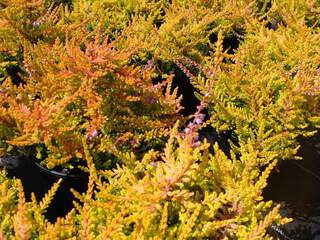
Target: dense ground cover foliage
<point x="91" y="84"/>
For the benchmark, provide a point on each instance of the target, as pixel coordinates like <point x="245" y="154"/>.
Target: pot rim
<point x="52" y="172"/>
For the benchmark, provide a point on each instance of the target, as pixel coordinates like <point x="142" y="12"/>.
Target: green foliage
<point x="77" y="83"/>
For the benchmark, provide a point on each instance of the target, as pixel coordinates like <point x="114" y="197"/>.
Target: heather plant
<point x="180" y="192"/>
<point x="82" y="83"/>
<point x="186" y="27"/>
<point x="82" y="77"/>
<point x="268" y="91"/>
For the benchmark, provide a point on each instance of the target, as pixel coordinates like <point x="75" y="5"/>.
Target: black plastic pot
<point x="296" y="186"/>
<point x="38" y="180"/>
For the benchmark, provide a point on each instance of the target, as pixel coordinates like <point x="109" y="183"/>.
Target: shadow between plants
<point x="295" y="184"/>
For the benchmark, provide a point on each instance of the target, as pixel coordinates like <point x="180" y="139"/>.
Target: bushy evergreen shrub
<point x="83" y="83"/>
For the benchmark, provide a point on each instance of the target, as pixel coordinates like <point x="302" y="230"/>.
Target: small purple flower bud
<point x="202" y="116"/>
<point x="92" y="134"/>
<point x="149" y="65"/>
<point x="198" y="120"/>
<point x="192" y="127"/>
<point x="187" y="130"/>
<point x="196" y="144"/>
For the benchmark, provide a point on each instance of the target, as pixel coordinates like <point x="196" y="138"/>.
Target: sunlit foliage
<point x="88" y="82"/>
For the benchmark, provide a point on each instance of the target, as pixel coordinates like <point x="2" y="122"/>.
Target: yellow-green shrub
<point x="85" y="92"/>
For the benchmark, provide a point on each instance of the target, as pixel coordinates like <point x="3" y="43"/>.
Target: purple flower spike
<point x="192" y="126"/>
